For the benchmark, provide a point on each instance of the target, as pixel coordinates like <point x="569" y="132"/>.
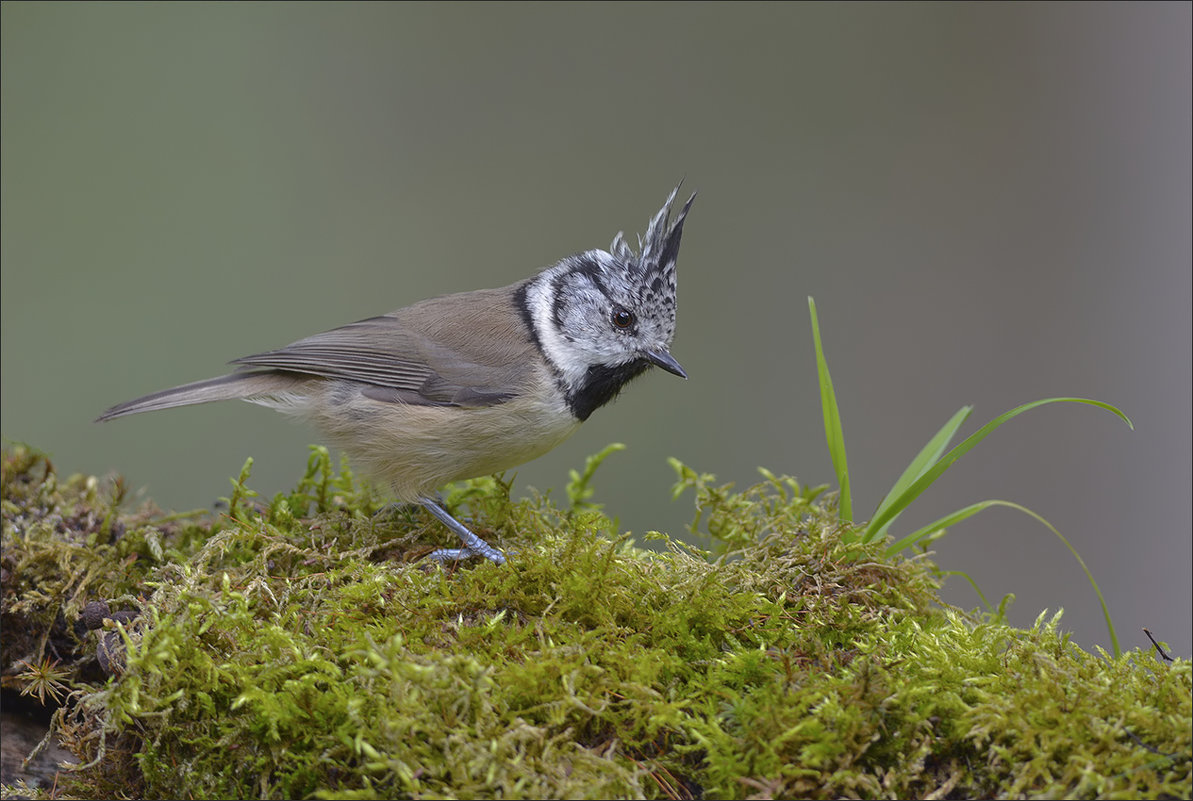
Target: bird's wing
<point x="471" y="349"/>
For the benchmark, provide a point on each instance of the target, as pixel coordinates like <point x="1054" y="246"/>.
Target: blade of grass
<point x="931" y="474"/>
<point x="972" y="583"/>
<point x="973" y="509"/>
<point x="923" y="460"/>
<point x="833" y="431"/>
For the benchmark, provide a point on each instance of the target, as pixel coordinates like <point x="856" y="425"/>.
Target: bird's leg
<point x="473" y="545"/>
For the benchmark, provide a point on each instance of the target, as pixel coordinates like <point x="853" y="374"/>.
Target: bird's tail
<point x="236" y="386"/>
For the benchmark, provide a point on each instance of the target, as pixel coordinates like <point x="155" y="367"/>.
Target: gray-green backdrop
<point x="990" y="203"/>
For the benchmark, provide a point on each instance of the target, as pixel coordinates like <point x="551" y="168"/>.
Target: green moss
<point x="301" y="649"/>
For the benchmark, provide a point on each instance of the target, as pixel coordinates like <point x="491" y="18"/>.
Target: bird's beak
<point x="661" y="358"/>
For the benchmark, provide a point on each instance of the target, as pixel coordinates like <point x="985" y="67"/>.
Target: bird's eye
<point x="622" y="319"/>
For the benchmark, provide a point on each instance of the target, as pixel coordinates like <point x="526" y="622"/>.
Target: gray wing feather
<point x="471" y="349"/>
<point x="375" y="351"/>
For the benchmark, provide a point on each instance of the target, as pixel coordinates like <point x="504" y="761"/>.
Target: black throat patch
<point x="601" y="385"/>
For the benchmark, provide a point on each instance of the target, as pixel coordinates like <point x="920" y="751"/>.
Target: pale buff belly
<point x="414" y="450"/>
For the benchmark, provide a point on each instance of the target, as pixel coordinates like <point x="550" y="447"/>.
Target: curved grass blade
<point x="973" y="509"/>
<point x="833" y="431"/>
<point x="972" y="583"/>
<point x="930" y="475"/>
<point x="927" y="457"/>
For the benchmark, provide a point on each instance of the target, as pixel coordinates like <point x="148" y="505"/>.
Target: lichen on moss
<point x="300" y="648"/>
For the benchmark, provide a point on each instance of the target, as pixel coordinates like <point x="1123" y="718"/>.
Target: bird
<point x="473" y="383"/>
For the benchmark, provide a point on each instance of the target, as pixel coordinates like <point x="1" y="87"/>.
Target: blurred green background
<point x="990" y="203"/>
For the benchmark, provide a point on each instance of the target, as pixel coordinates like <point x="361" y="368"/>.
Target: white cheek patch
<point x="569" y="362"/>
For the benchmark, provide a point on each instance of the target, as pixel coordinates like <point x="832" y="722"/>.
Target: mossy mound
<point x="301" y="649"/>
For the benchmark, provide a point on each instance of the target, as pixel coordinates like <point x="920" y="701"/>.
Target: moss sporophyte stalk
<point x="299" y="648"/>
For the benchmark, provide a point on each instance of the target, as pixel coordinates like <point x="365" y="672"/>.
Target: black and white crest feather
<point x="658" y="249"/>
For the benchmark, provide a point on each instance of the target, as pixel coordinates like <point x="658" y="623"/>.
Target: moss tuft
<point x="299" y="648"/>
